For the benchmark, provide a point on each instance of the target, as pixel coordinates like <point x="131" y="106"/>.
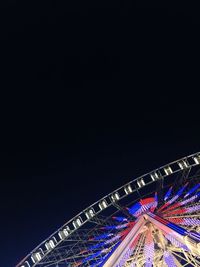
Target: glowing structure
<point x="134" y="225"/>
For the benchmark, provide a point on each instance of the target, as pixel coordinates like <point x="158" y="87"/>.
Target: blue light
<point x="120" y="219"/>
<point x="167" y="195"/>
<point x="134" y="208"/>
<point x="193" y="189"/>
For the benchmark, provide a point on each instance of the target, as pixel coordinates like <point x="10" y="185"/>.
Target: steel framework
<point x="133" y="225"/>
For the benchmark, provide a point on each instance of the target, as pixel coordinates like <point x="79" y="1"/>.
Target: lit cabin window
<point x="103" y="204"/>
<point x="128" y="189"/>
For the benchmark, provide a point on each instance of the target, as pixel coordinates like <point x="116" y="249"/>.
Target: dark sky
<point x="93" y="94"/>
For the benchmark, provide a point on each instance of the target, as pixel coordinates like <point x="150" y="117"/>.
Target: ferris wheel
<point x="154" y="220"/>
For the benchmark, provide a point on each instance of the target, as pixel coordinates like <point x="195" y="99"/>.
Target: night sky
<point x="93" y="94"/>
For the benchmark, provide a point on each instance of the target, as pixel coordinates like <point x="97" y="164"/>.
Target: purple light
<point x="193" y="189"/>
<point x="149" y="249"/>
<point x="193" y="209"/>
<point x="177" y="195"/>
<point x="175" y="242"/>
<point x="169" y="259"/>
<point x="191" y="221"/>
<point x="189" y="199"/>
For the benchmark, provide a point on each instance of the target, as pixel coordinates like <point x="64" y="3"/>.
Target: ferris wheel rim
<point x="158" y="174"/>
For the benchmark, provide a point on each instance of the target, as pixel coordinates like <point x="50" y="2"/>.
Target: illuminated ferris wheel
<point x="154" y="220"/>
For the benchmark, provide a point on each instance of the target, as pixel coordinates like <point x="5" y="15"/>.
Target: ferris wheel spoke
<point x="185" y="257"/>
